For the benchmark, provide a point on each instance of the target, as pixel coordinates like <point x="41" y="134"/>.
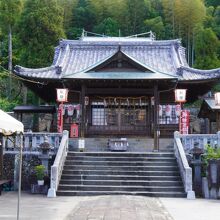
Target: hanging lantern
<point x="62" y="95"/>
<point x="217" y="98"/>
<point x="180" y="95"/>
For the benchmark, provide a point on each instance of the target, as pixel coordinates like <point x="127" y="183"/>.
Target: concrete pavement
<point x="198" y="209"/>
<point x="39" y="207"/>
<point x="36" y="207"/>
<point x="82" y="208"/>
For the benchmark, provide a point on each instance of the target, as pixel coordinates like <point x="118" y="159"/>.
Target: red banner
<point x="184" y="121"/>
<point x="60" y="118"/>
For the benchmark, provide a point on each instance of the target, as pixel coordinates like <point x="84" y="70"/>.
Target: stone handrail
<point x="200" y="140"/>
<point x="185" y="169"/>
<point x="31" y="142"/>
<point x="57" y="168"/>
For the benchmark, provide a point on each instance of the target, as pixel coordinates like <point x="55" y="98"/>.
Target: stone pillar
<point x="213" y="178"/>
<point x="197" y="166"/>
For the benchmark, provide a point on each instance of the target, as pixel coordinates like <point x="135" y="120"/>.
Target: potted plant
<point x="40" y="173"/>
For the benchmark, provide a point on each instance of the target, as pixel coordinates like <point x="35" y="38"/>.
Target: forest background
<point x="30" y="29"/>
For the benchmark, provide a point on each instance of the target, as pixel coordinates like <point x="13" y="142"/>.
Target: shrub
<point x="40" y="171"/>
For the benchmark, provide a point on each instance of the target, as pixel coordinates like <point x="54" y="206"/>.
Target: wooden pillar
<point x="156" y="127"/>
<point x="82" y="100"/>
<point x="149" y="120"/>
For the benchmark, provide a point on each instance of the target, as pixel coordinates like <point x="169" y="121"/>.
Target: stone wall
<point x="139" y="144"/>
<point x="28" y="164"/>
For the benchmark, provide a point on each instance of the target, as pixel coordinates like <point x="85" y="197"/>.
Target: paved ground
<point x="120" y="208"/>
<point x="39" y="207"/>
<point x="198" y="209"/>
<point x="82" y="208"/>
<point x="36" y="207"/>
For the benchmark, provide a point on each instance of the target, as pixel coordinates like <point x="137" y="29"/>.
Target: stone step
<point x="120" y="177"/>
<point x="121" y="154"/>
<point x="121" y="188"/>
<point x="121" y="183"/>
<point x="129" y="173"/>
<point x="140" y="193"/>
<point x="119" y="158"/>
<point x="130" y="150"/>
<point x="121" y="168"/>
<point x="121" y="172"/>
<point x="120" y="163"/>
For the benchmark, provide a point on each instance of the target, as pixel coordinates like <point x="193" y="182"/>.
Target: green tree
<point x="108" y="27"/>
<point x="189" y="14"/>
<point x="156" y="25"/>
<point x="83" y="17"/>
<point x="217" y="21"/>
<point x="206" y="49"/>
<point x="9" y="12"/>
<point x="136" y="14"/>
<point x="40" y="28"/>
<point x="116" y="10"/>
<point x="168" y="14"/>
<point x="214" y="3"/>
<point x="68" y="8"/>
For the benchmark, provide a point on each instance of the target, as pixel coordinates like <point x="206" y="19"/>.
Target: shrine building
<point x="120" y="86"/>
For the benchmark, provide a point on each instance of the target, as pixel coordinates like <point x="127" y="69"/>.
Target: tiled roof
<point x="76" y="57"/>
<point x="187" y="73"/>
<point x="211" y="103"/>
<point x="52" y="72"/>
<point x="121" y="75"/>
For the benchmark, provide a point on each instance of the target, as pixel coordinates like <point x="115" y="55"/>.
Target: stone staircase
<point x="129" y="173"/>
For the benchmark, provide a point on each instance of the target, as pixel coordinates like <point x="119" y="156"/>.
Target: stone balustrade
<point x="32" y="140"/>
<point x="189" y="141"/>
<point x="185" y="169"/>
<point x="57" y="168"/>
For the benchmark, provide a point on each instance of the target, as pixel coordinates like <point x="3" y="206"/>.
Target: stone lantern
<point x="45" y="149"/>
<point x="197" y="165"/>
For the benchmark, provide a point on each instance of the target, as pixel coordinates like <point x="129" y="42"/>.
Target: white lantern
<point x="217" y="98"/>
<point x="180" y="95"/>
<point x="62" y="95"/>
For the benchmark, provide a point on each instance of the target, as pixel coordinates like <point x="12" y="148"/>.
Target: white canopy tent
<point x="10" y="126"/>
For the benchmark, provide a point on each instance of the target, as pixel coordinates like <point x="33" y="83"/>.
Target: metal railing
<point x="57" y="168"/>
